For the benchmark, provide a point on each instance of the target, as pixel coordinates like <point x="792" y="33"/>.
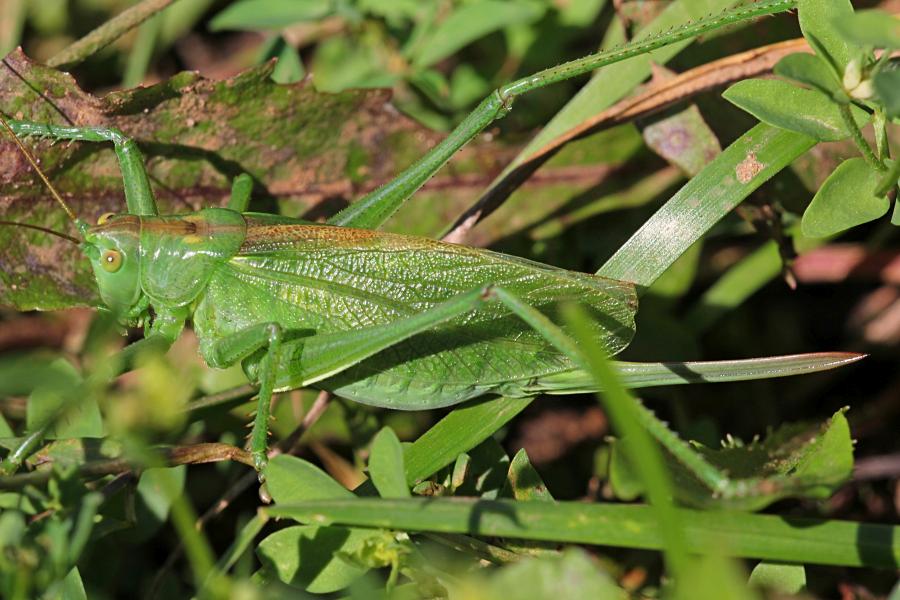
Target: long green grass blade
<point x="745" y="165"/>
<point x="767" y="537"/>
<point x="624" y="411"/>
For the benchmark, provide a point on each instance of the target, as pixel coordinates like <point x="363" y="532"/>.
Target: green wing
<point x="324" y="279"/>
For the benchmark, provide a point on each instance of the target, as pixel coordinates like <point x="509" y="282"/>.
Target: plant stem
<point x="858" y="138"/>
<point x="890" y="179"/>
<point x="107" y="33"/>
<point x="170" y="457"/>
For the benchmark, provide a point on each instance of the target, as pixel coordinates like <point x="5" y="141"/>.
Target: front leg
<point x="238" y="346"/>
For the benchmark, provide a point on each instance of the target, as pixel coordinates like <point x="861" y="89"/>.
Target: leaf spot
<point x="748" y="168"/>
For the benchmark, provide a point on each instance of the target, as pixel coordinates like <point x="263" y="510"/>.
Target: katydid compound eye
<point x="111" y="260"/>
<point x="104" y="218"/>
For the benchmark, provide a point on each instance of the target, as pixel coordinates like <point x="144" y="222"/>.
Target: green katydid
<point x="389" y="320"/>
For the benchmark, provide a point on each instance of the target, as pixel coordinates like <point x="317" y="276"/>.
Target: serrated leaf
<point x="269" y="14"/>
<point x="292" y="479"/>
<point x="872" y="27"/>
<point x="791" y="107"/>
<point x="196" y="136"/>
<point x="846" y="199"/>
<point x="818" y="20"/>
<point x="310" y="556"/>
<point x="470" y="22"/>
<point x="809" y="69"/>
<point x="796" y="461"/>
<point x="386" y="465"/>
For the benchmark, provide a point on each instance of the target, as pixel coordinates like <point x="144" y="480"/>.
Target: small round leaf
<point x="847" y="198"/>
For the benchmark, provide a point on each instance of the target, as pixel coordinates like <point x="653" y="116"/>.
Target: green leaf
<point x="269" y="14"/>
<point x="72" y="587"/>
<point x="72" y="416"/>
<point x="310" y="556"/>
<point x="5" y="430"/>
<point x="887" y="87"/>
<point x="155" y="496"/>
<point x="809" y="69"/>
<point x="470" y="22"/>
<point x="769" y="537"/>
<point x="288" y="65"/>
<point x="684" y="140"/>
<point x="523" y="482"/>
<point x="12" y="528"/>
<point x="779" y="577"/>
<point x="344" y="63"/>
<point x="624" y="479"/>
<point x="846" y="199"/>
<point x="818" y="20"/>
<point x="21" y="374"/>
<point x="292" y="479"/>
<point x="790" y="107"/>
<point x="458" y="432"/>
<point x="485" y="474"/>
<point x="571" y="575"/>
<point x="872" y="27"/>
<point x="386" y="465"/>
<point x="715" y="576"/>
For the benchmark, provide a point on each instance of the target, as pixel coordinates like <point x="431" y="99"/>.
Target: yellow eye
<point x="111" y="260"/>
<point x="104" y="218"/>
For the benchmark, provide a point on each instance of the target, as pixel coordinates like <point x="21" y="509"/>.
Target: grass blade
<point x="767" y="537"/>
<point x="622" y="409"/>
<point x="745" y="165"/>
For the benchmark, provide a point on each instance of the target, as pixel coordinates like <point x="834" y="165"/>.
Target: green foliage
<point x="270" y="14"/>
<point x="847" y="198"/>
<point x="874" y="27"/>
<point x="792" y="461"/>
<point x="846" y="82"/>
<point x="787" y="106"/>
<point x="461" y="510"/>
<point x="386" y="465"/>
<point x="786" y="579"/>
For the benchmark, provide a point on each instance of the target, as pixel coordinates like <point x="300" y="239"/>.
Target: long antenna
<point x="35" y="166"/>
<point x="64" y="236"/>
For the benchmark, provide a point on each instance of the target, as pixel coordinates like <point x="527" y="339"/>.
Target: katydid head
<point x="113" y="247"/>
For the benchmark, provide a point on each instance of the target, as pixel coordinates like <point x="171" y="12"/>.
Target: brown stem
<point x="170" y="457"/>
